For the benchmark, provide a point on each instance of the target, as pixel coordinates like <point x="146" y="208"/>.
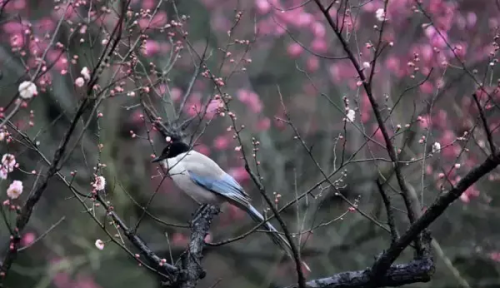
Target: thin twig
<point x="43" y="235"/>
<point x="485" y="124"/>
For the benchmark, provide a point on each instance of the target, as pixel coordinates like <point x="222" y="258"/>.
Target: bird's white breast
<point x="177" y="168"/>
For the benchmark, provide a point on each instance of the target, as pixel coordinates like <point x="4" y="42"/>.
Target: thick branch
<point x="431" y="214"/>
<point x="397" y="275"/>
<point x="192" y="270"/>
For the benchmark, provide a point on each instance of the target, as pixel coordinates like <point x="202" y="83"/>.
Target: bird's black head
<point x="173" y="149"/>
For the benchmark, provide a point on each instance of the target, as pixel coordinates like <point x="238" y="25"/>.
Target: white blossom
<point x="8" y="162"/>
<point x="100" y="183"/>
<point x="85" y="73"/>
<point x="99" y="244"/>
<point x="436" y="147"/>
<point x="366" y="65"/>
<point x="27" y="90"/>
<point x="351" y="115"/>
<point x="380" y="14"/>
<point x="15" y="189"/>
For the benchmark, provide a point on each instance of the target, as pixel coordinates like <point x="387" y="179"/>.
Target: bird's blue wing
<point x="225" y="186"/>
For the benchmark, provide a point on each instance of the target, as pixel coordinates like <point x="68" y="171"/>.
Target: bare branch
<point x="485" y="124"/>
<point x="397" y="275"/>
<point x="378" y="116"/>
<point x="192" y="270"/>
<point x="431" y="214"/>
<point x="389" y="211"/>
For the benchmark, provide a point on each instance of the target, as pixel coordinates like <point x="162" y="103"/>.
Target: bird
<point x="206" y="182"/>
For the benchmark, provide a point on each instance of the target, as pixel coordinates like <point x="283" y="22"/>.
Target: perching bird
<point x="204" y="181"/>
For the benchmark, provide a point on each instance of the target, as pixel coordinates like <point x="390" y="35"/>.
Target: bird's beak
<point x="157" y="159"/>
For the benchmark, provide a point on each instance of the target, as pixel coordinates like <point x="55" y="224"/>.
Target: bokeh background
<point x="277" y="59"/>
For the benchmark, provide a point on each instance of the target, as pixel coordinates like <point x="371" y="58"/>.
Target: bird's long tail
<point x="273" y="233"/>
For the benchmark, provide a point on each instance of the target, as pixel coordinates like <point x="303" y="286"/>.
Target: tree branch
<point x="192" y="271"/>
<point x="485" y="124"/>
<point x="389" y="211"/>
<point x="397" y="275"/>
<point x="430" y="215"/>
<point x="25" y="214"/>
<point x="378" y="116"/>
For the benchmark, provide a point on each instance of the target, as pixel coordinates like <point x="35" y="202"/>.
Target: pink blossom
<point x="460" y="49"/>
<point x="85" y="281"/>
<point x="213" y="107"/>
<point x="495" y="256"/>
<point x="79" y="82"/>
<point x="148" y="4"/>
<point x="46" y="25"/>
<point x="318" y="29"/>
<point x="263" y="6"/>
<point x="263" y="124"/>
<point x="464" y="198"/>
<point x="137" y="117"/>
<point x="221" y="143"/>
<point x="151" y="47"/>
<point x="195" y="107"/>
<point x="251" y="99"/>
<point x="471" y="19"/>
<point x="59" y="58"/>
<point x="312" y="64"/>
<point x="208" y="238"/>
<point x="203" y="149"/>
<point x="439" y="40"/>
<point x="62" y="280"/>
<point x="179" y="239"/>
<point x="100" y="183"/>
<point x="428" y="169"/>
<point x="12" y="27"/>
<point x="28" y="239"/>
<point x="239" y="174"/>
<point x="341" y="71"/>
<point x="15" y="5"/>
<point x="304" y="19"/>
<point x="427" y="87"/>
<point x="17" y="40"/>
<point x="175" y="93"/>
<point x="70" y="12"/>
<point x="424" y="122"/>
<point x="370" y="6"/>
<point x="394" y="65"/>
<point x="294" y="50"/>
<point x="319" y="45"/>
